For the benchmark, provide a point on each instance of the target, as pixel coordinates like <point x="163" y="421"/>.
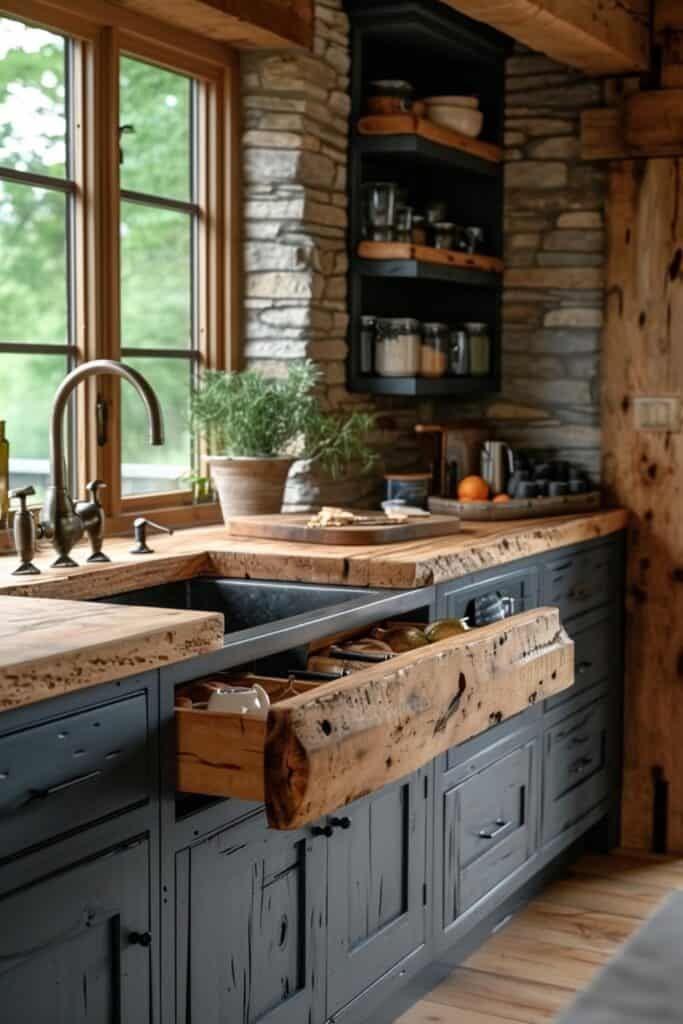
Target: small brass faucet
<point x="62" y="520"/>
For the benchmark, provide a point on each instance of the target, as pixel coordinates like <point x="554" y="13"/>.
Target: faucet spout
<point x="60" y="520"/>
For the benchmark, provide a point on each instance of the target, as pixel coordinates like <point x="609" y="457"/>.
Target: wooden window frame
<point x="102" y="33"/>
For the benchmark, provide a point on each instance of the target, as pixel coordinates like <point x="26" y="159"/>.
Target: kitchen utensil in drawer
<point x="492" y="607"/>
<point x="71" y="771"/>
<point x="240" y="700"/>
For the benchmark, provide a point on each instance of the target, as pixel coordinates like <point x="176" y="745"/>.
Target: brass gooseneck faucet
<point x="62" y="520"/>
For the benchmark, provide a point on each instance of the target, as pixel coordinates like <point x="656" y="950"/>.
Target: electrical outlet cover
<point x="657" y="413"/>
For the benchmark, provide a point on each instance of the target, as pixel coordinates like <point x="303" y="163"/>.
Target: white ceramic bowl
<point x="470" y="102"/>
<point x="458" y="119"/>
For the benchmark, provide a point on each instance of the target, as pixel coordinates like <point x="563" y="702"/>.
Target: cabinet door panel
<point x="256" y="906"/>
<point x="376" y="872"/>
<point x="65" y="953"/>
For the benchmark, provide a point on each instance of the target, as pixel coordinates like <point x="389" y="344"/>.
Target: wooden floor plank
<point x="511" y="998"/>
<point x="574" y="927"/>
<point x="536" y="960"/>
<point x="604" y="895"/>
<point x="427" y="1012"/>
<point x="666" y="874"/>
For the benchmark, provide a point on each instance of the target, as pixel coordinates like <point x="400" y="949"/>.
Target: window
<point x="116" y="166"/>
<point x="37" y="340"/>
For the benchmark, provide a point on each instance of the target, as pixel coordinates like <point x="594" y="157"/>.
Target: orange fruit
<point x="500" y="499"/>
<point x="473" y="488"/>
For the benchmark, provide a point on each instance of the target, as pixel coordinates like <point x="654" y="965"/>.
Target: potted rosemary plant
<point x="254" y="427"/>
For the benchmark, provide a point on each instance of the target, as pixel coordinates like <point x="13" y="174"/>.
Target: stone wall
<point x="554" y="255"/>
<point x="296" y="108"/>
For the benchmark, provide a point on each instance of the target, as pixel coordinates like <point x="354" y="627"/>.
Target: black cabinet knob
<point x="340" y="822"/>
<point x="140" y="939"/>
<point x="327" y="830"/>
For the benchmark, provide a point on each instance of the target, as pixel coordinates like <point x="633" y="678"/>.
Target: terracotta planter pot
<point x="249" y="486"/>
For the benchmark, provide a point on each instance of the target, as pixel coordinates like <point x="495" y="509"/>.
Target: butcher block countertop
<point x="210" y="551"/>
<point x="50" y="647"/>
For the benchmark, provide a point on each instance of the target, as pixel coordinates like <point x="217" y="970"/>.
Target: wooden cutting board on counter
<point x="373" y="530"/>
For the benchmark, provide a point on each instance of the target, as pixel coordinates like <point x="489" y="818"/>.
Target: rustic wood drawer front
<point x="594" y="638"/>
<point x="576" y="773"/>
<point x="489" y="829"/>
<point x="338" y="741"/>
<point x="71" y="771"/>
<point x="580" y="582"/>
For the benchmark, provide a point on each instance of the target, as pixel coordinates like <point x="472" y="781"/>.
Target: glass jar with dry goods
<point x="434" y="349"/>
<point x="379" y="209"/>
<point x="480" y="348"/>
<point x="418" y="231"/>
<point x="397" y="347"/>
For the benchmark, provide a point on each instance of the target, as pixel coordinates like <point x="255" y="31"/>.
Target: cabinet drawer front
<point x="594" y="639"/>
<point x="72" y="771"/>
<point x="576" y="774"/>
<point x="328" y="746"/>
<point x="580" y="582"/>
<point x="489" y="829"/>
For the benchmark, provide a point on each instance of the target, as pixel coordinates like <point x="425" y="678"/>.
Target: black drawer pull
<point x="581" y="592"/>
<point x="584" y="666"/>
<point x="59" y="787"/>
<point x="325" y="830"/>
<point x="579" y="765"/>
<point x="340" y="822"/>
<point x="143" y="939"/>
<point x="491" y="833"/>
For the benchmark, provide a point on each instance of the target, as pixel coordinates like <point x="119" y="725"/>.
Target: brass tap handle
<point x="25" y="533"/>
<point x="140" y="526"/>
<point x="91" y="514"/>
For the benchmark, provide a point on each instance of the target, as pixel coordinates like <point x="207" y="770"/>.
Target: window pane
<point x="32" y="99"/>
<point x="156" y="153"/>
<point x="27" y="387"/>
<point x="156" y="469"/>
<point x="156" y="271"/>
<point x="33" y="266"/>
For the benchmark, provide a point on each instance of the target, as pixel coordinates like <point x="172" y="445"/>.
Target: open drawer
<point x="333" y="742"/>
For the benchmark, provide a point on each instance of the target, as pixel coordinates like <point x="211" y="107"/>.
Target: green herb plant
<point x="248" y="414"/>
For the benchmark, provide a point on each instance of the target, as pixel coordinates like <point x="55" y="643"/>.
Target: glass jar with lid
<point x="397" y="347"/>
<point x="434" y="349"/>
<point x="480" y="348"/>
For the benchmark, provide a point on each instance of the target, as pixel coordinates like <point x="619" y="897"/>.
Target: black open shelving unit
<point x="440" y="52"/>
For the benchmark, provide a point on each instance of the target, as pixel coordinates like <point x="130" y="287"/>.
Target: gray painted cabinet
<point x="377" y="895"/>
<point x="120" y="901"/>
<point x="74" y="946"/>
<point x="252" y="949"/>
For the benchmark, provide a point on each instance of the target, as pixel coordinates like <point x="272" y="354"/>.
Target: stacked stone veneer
<point x="554" y="254"/>
<point x="296" y="127"/>
<point x="296" y="111"/>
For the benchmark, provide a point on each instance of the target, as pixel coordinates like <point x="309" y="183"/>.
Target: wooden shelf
<point x="428" y="254"/>
<point x="425" y="387"/>
<point x="406" y="133"/>
<point x="419" y="270"/>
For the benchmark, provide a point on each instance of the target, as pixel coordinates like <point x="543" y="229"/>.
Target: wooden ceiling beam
<point x="599" y="36"/>
<point x="245" y="24"/>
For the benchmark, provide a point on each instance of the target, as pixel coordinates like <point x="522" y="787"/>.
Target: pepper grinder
<point x="25" y="533"/>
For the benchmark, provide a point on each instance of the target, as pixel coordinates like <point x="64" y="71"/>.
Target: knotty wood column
<point x="643" y="354"/>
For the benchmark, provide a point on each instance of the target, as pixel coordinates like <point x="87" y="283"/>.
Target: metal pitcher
<point x="497" y="462"/>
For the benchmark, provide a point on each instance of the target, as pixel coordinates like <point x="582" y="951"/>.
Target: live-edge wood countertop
<point x="49" y="647"/>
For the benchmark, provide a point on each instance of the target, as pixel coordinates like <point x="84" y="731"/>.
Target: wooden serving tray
<point x="410" y="124"/>
<point x="337" y="741"/>
<point x="294" y="527"/>
<point x="428" y="254"/>
<point x="517" y="508"/>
